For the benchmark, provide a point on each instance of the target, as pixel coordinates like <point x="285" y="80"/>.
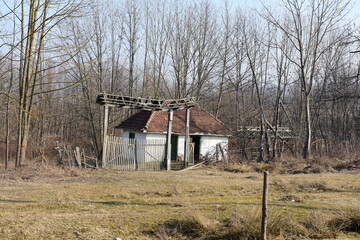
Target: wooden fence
<point x="75" y="157"/>
<point x="134" y="154"/>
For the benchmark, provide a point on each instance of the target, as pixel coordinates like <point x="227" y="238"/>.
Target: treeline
<point x="293" y="65"/>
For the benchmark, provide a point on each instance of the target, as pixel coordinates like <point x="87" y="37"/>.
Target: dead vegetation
<point x="72" y="203"/>
<point x="244" y="224"/>
<point x="38" y="171"/>
<point x="290" y="165"/>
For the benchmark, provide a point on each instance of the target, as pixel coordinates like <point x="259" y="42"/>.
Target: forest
<point x="294" y="65"/>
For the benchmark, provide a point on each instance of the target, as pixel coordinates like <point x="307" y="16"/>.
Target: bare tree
<point x="157" y="18"/>
<point x="41" y="20"/>
<point x="180" y="32"/>
<point x="204" y="48"/>
<point x="224" y="51"/>
<point x="307" y="26"/>
<point x="132" y="22"/>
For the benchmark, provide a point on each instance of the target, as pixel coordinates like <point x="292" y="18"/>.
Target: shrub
<point x="347" y="220"/>
<point x="238" y="168"/>
<point x="318" y="225"/>
<point x="245" y="224"/>
<point x="194" y="226"/>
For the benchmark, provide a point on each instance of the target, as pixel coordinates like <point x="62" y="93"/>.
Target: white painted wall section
<point x="155" y="136"/>
<point x="208" y="145"/>
<point x="125" y="134"/>
<point x="181" y="145"/>
<point x="147" y="153"/>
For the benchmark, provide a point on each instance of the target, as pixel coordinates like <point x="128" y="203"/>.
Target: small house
<point x="206" y="132"/>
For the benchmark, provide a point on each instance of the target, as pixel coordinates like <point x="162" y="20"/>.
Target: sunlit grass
<point x="103" y="204"/>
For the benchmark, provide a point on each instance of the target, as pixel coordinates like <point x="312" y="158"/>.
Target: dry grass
<point x="67" y="203"/>
<point x="244" y="224"/>
<point x="239" y="168"/>
<point x="347" y="220"/>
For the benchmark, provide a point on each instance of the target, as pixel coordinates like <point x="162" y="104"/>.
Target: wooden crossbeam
<point x="148" y="104"/>
<point x="254" y="131"/>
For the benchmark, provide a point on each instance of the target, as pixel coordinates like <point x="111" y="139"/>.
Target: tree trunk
<point x="307" y="137"/>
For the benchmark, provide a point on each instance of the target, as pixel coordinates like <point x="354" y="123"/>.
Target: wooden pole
<point x="105" y="130"/>
<point x="264" y="207"/>
<point x="186" y="145"/>
<point x="168" y="140"/>
<point x="136" y="155"/>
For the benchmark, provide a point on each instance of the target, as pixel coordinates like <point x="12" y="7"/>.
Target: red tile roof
<point x="201" y="122"/>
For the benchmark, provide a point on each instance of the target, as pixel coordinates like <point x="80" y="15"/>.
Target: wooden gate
<point x="191" y="160"/>
<point x="134" y="154"/>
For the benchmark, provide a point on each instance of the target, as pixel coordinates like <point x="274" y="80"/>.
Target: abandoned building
<point x="206" y="132"/>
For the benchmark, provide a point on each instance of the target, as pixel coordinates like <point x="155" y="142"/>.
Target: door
<point x="174" y="147"/>
<point x="196" y="140"/>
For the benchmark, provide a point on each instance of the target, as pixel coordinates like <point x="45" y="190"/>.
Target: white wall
<point x="125" y="134"/>
<point x="155" y="136"/>
<point x="181" y="145"/>
<point x="138" y="135"/>
<point x="148" y="153"/>
<point x="208" y="145"/>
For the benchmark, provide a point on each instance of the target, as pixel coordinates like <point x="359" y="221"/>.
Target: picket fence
<point x="134" y="154"/>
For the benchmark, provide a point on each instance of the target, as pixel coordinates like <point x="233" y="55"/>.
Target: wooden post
<point x="186" y="144"/>
<point x="83" y="156"/>
<point x="106" y="121"/>
<point x="264" y="207"/>
<point x="77" y="156"/>
<point x="168" y="141"/>
<point x="136" y="155"/>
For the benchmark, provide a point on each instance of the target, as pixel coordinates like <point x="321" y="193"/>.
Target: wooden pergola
<point x="255" y="131"/>
<point x="148" y="104"/>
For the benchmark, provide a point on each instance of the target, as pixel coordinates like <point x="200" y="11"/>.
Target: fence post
<point x="264" y="207"/>
<point x="168" y="141"/>
<point x="186" y="142"/>
<point x="106" y="121"/>
<point x="136" y="154"/>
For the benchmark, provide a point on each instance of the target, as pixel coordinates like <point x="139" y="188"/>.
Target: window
<point x="132" y="135"/>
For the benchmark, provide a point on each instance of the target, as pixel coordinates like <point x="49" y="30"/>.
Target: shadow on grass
<point x="116" y="203"/>
<point x="16" y="201"/>
<point x="166" y="204"/>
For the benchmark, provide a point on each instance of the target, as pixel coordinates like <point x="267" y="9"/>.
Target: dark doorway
<point x="174" y="147"/>
<point x="196" y="141"/>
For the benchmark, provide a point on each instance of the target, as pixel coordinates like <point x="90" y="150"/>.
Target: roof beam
<point x="147" y="104"/>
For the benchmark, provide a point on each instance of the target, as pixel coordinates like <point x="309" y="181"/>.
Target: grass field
<point x="56" y="203"/>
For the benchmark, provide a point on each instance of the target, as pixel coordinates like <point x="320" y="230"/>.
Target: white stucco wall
<point x="148" y="153"/>
<point x="125" y="134"/>
<point x="140" y="135"/>
<point x="181" y="145"/>
<point x="155" y="136"/>
<point x="207" y="143"/>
